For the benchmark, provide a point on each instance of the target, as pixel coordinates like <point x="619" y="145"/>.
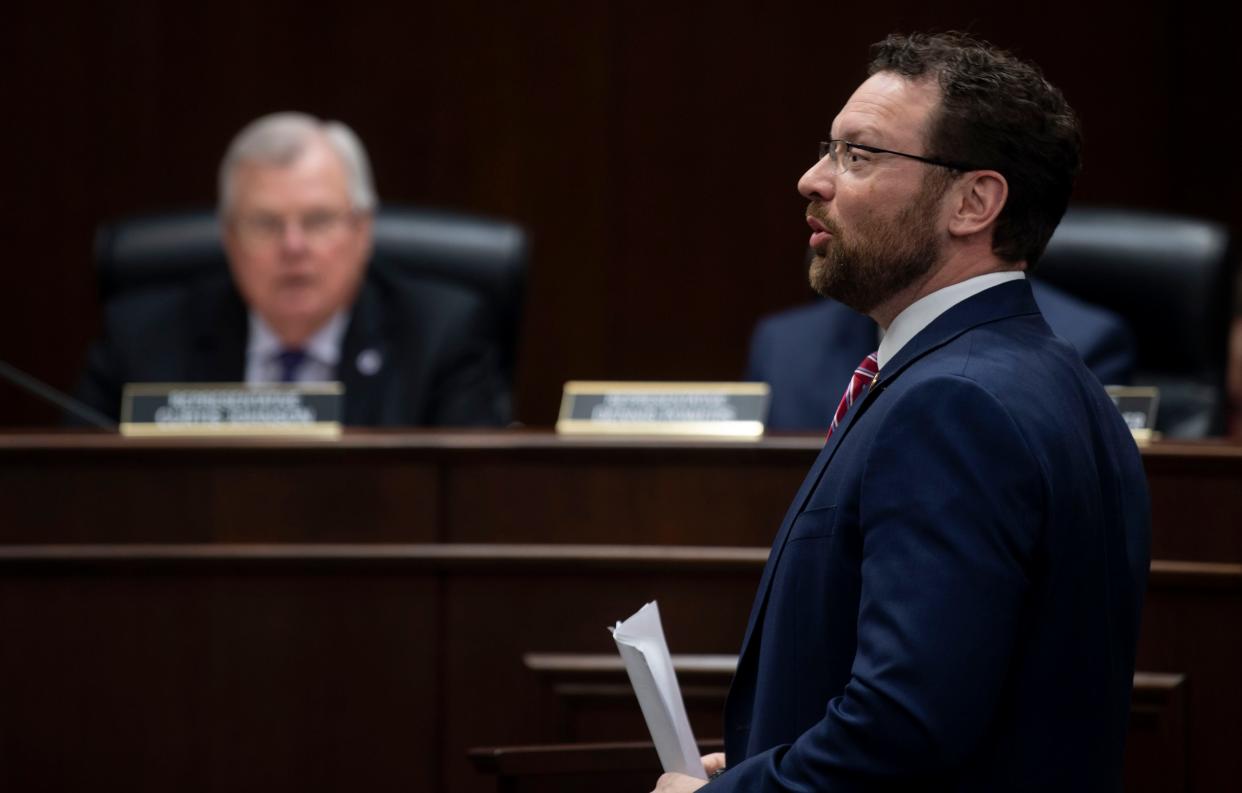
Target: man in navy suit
<point x="952" y="602"/>
<point x="804" y="354"/>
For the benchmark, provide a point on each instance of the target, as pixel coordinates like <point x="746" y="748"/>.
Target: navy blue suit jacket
<point x="952" y="601"/>
<point x="806" y="354"/>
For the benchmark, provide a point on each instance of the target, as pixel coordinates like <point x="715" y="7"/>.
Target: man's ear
<point x="978" y="198"/>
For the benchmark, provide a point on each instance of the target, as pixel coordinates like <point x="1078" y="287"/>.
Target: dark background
<point x="651" y="149"/>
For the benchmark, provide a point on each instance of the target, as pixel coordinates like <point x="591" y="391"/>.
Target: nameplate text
<point x="312" y="409"/>
<point x="710" y="410"/>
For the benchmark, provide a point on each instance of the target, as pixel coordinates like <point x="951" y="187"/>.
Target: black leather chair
<point x="487" y="256"/>
<point x="1171" y="278"/>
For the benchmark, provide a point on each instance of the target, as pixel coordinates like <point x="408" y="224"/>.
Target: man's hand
<point x="678" y="783"/>
<point x="713" y="762"/>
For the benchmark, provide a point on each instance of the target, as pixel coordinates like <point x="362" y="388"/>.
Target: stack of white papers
<point x="640" y="639"/>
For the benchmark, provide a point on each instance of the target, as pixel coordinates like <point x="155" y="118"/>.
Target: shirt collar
<point x="922" y="312"/>
<point x="323" y="347"/>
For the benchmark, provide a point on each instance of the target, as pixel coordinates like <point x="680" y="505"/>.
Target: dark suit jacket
<point x="952" y="601"/>
<point x="437" y="365"/>
<point x="806" y="354"/>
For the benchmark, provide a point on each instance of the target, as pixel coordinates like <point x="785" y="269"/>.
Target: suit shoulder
<point x="809" y="333"/>
<point x="1066" y="313"/>
<point x="165" y="311"/>
<point x="808" y="320"/>
<point x="428" y="317"/>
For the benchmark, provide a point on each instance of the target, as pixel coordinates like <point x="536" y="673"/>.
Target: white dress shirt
<point x="923" y="312"/>
<point x="323" y="352"/>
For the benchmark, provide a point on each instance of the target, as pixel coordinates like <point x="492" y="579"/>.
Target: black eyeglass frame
<point x="825" y="146"/>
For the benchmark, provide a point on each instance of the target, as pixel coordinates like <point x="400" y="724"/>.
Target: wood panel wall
<point x="650" y="148"/>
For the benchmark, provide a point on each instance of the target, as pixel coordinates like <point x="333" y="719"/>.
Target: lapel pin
<point x="369" y="362"/>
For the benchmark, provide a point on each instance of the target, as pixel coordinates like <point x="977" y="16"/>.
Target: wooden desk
<point x="413" y="487"/>
<point x="505" y="487"/>
<point x="315" y="615"/>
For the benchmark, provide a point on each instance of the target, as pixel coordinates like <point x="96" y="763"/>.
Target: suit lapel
<point x="1006" y="300"/>
<point x="795" y="508"/>
<point x="365" y="366"/>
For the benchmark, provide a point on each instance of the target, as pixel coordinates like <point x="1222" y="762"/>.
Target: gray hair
<point x="280" y="138"/>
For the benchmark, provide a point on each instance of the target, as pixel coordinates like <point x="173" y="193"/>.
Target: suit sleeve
<point x="950" y="508"/>
<point x="759" y="358"/>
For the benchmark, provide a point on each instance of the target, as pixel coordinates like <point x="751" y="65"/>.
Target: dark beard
<point x="878" y="259"/>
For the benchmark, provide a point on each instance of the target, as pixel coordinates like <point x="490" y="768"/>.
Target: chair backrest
<point x="1171" y="279"/>
<point x="484" y="255"/>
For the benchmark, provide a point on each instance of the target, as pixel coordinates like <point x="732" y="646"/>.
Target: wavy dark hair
<point x="1000" y="113"/>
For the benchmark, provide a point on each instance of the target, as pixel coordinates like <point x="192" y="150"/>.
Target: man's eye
<point x="854" y="157"/>
<point x="265" y="224"/>
<point x="317" y="221"/>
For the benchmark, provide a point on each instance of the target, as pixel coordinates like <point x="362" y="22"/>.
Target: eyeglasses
<point x="841" y="153"/>
<point x="262" y="228"/>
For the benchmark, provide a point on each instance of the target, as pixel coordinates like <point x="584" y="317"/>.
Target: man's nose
<point x="293" y="236"/>
<point x="819" y="181"/>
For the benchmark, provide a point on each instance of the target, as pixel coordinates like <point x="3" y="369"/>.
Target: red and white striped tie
<point x="863" y="375"/>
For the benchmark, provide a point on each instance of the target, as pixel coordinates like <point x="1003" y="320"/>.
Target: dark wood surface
<point x="243" y="667"/>
<point x="269" y="615"/>
<point x="488" y="487"/>
<point x="416" y="487"/>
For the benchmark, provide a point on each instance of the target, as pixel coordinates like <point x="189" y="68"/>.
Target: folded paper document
<point x="640" y="639"/>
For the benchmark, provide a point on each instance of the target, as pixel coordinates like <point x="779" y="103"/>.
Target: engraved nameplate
<point x="1138" y="408"/>
<point x="311" y="409"/>
<point x="709" y="410"/>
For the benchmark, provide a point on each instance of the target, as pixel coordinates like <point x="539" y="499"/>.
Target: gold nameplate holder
<point x="232" y="409"/>
<point x="725" y="411"/>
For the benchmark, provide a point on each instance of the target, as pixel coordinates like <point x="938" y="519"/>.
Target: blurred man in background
<point x="296" y="208"/>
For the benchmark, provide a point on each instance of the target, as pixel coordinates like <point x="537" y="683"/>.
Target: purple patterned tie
<point x="290" y="361"/>
<point x="863" y="376"/>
